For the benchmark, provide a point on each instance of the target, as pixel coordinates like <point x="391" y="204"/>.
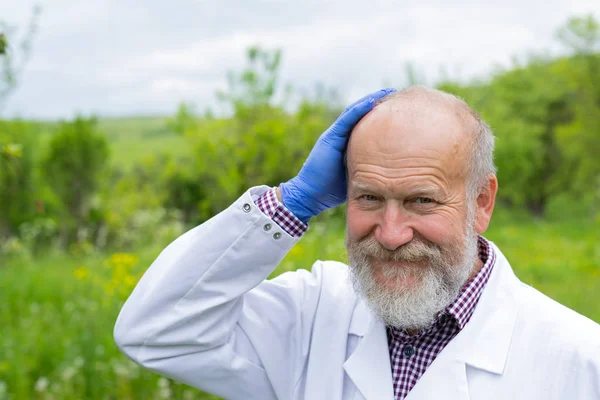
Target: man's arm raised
<point x="204" y="313"/>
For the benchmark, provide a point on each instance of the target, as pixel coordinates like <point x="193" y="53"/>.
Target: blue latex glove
<point x="321" y="183"/>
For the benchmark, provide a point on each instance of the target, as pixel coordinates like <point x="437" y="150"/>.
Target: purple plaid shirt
<point x="274" y="209"/>
<point x="410" y="356"/>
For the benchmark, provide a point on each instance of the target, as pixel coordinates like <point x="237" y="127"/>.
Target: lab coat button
<point x="246" y="207"/>
<point x="267" y="227"/>
<point x="408" y="351"/>
<point x="276" y="235"/>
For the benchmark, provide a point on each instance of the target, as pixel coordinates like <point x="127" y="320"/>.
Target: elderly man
<point x="426" y="309"/>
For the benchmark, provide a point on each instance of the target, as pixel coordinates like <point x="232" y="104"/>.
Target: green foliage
<point x="581" y="34"/>
<point x="76" y="159"/>
<point x="534" y="105"/>
<point x="17" y="176"/>
<point x="183" y="120"/>
<point x="133" y="139"/>
<point x="256" y="85"/>
<point x="56" y="342"/>
<point x="267" y="150"/>
<point x="546" y="116"/>
<point x="180" y="171"/>
<point x="134" y="214"/>
<point x="260" y="144"/>
<point x="186" y="193"/>
<point x="3" y="44"/>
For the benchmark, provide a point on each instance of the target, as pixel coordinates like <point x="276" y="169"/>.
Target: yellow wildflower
<point x="81" y="273"/>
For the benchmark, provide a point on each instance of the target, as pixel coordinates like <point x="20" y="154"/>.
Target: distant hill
<point x="134" y="138"/>
<point x="117" y="128"/>
<point x="131" y="139"/>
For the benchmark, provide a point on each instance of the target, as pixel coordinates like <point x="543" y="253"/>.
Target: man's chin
<point x="398" y="275"/>
<point x="396" y="283"/>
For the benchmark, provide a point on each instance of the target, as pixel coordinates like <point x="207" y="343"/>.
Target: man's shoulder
<point x="556" y="325"/>
<point x="545" y="319"/>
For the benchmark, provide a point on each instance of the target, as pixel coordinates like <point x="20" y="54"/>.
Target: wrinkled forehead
<point x="423" y="129"/>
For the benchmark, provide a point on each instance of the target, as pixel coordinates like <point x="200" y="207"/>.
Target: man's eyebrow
<point x="362" y="186"/>
<point x="427" y="190"/>
<point x="419" y="191"/>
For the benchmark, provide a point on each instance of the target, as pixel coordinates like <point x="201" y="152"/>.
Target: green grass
<point x="56" y="342"/>
<point x="58" y="312"/>
<point x="560" y="259"/>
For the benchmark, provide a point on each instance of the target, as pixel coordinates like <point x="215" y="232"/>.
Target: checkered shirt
<point x="410" y="356"/>
<point x="274" y="209"/>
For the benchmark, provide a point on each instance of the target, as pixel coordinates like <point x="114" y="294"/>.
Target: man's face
<point x="411" y="238"/>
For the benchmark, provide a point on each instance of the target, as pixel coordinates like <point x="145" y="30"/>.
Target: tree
<point x="76" y="159"/>
<point x="183" y="120"/>
<point x="17" y="177"/>
<point x="16" y="138"/>
<point x="546" y="115"/>
<point x="261" y="143"/>
<point x="254" y="88"/>
<point x="581" y="138"/>
<point x="581" y="34"/>
<point x="3" y="44"/>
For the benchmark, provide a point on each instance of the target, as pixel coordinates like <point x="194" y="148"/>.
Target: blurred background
<point x="123" y="124"/>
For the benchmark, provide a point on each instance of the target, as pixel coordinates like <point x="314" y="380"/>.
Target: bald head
<point x="419" y="100"/>
<point x="420" y="119"/>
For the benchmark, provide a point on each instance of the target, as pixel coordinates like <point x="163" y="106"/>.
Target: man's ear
<point x="485" y="204"/>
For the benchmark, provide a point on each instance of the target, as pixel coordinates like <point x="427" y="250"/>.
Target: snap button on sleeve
<point x="276" y="235"/>
<point x="246" y="207"/>
<point x="267" y="227"/>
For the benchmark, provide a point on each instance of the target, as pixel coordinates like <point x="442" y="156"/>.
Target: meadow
<point x="86" y="205"/>
<point x="127" y="135"/>
<point x="58" y="311"/>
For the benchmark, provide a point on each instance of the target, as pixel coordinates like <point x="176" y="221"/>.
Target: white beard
<point x="433" y="289"/>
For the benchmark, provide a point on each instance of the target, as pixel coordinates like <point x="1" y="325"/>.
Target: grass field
<point x="58" y="312"/>
<point x="132" y="139"/>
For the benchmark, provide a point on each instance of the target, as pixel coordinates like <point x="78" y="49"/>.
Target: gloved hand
<point x="321" y="182"/>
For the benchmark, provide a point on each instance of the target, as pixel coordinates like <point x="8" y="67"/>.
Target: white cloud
<point x="123" y="57"/>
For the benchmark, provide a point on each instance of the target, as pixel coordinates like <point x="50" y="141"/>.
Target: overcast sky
<point x="117" y="58"/>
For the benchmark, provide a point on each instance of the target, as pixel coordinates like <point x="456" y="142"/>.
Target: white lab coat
<point x="203" y="314"/>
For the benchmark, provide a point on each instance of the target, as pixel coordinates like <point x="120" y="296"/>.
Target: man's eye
<point x="368" y="197"/>
<point x="423" y="200"/>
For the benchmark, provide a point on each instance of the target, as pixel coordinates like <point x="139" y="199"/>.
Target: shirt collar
<point x="464" y="305"/>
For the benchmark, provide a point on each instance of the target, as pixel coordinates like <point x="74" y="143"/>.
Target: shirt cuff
<point x="274" y="209"/>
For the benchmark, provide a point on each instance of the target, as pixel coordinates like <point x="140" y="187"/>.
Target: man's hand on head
<point x="321" y="182"/>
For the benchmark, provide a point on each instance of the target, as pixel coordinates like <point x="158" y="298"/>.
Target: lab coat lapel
<point x="483" y="344"/>
<point x="444" y="379"/>
<point x="369" y="366"/>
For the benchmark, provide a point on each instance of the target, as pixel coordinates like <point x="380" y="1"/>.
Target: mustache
<point x="414" y="251"/>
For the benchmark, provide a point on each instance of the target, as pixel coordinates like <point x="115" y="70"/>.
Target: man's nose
<point x="394" y="229"/>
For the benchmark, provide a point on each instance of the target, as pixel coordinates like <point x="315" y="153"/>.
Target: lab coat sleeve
<point x="203" y="313"/>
